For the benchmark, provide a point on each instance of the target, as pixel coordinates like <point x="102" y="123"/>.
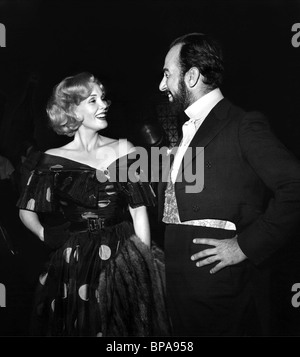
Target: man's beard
<point x="181" y="99"/>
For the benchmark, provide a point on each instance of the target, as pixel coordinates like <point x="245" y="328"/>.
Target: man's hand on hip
<point x="226" y="252"/>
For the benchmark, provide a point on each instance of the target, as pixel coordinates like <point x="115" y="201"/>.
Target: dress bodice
<point x="78" y="190"/>
<point x="97" y="265"/>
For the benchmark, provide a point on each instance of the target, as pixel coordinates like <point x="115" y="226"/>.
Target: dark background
<point x="124" y="44"/>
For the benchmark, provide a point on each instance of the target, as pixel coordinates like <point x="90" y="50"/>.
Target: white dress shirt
<point x="197" y="112"/>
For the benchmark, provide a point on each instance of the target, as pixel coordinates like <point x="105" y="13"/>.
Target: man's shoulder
<point x="238" y="112"/>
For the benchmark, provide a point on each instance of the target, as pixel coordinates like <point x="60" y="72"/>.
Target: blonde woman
<point x="103" y="278"/>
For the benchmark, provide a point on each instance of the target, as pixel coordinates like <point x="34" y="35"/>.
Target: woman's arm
<point x="141" y="223"/>
<point x="31" y="221"/>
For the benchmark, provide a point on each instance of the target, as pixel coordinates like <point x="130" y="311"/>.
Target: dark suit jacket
<point x="243" y="163"/>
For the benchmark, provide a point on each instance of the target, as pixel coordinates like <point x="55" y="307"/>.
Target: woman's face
<point x="93" y="109"/>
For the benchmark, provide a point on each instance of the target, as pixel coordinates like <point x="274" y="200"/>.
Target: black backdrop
<point x="124" y="43"/>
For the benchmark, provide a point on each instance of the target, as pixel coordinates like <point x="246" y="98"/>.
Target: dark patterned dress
<point x="102" y="280"/>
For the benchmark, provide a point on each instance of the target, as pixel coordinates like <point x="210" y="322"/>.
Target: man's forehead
<point x="172" y="56"/>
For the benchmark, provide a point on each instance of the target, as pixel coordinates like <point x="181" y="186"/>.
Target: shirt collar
<point x="200" y="108"/>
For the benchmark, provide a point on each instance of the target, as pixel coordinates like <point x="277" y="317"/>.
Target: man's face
<point x="173" y="81"/>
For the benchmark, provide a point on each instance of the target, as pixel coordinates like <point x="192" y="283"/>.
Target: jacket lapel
<point x="212" y="125"/>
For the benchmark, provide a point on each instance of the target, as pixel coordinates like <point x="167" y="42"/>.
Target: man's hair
<point x="65" y="97"/>
<point x="203" y="52"/>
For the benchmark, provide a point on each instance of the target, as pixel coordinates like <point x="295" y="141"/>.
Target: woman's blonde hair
<point x="65" y="97"/>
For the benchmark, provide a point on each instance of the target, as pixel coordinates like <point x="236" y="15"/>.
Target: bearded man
<point x="217" y="237"/>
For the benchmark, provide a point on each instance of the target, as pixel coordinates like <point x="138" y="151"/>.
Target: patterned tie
<point x="188" y="132"/>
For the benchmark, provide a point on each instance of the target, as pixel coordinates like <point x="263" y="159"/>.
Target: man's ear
<point x="192" y="77"/>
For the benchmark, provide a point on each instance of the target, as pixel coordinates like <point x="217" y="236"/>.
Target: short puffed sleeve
<point x="138" y="193"/>
<point x="37" y="195"/>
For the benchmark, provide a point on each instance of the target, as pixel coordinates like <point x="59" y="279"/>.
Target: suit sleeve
<point x="280" y="172"/>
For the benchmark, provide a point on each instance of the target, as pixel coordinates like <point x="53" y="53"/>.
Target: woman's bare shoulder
<point x="125" y="147"/>
<point x="61" y="151"/>
<point x="121" y="146"/>
<point x="54" y="151"/>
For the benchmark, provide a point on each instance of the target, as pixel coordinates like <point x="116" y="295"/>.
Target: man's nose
<point x="162" y="85"/>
